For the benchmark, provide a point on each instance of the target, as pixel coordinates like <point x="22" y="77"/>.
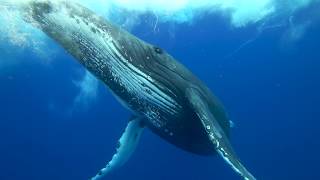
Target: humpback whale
<point x="161" y="93"/>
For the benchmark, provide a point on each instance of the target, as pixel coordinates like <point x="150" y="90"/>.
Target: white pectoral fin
<point x="126" y="147"/>
<point x="216" y="134"/>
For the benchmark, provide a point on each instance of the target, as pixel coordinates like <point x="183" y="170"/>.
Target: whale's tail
<point x="216" y="134"/>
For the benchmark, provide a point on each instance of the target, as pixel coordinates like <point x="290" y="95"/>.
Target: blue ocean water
<point x="269" y="85"/>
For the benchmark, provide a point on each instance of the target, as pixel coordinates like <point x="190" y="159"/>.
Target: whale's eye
<point x="158" y="50"/>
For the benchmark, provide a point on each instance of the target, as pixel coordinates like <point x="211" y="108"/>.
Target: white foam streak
<point x="88" y="90"/>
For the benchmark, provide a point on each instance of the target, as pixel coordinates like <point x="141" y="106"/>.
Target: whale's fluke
<point x="126" y="147"/>
<point x="215" y="133"/>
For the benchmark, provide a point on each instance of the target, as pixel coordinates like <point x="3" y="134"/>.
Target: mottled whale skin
<point x="145" y="79"/>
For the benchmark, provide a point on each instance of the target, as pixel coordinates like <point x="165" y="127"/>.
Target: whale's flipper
<point x="215" y="133"/>
<point x="126" y="147"/>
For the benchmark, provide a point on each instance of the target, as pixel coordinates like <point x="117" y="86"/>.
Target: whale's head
<point x="69" y="24"/>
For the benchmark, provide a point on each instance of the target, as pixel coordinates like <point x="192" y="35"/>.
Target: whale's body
<point x="162" y="94"/>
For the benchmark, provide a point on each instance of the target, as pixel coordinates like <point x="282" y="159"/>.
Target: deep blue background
<point x="269" y="88"/>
